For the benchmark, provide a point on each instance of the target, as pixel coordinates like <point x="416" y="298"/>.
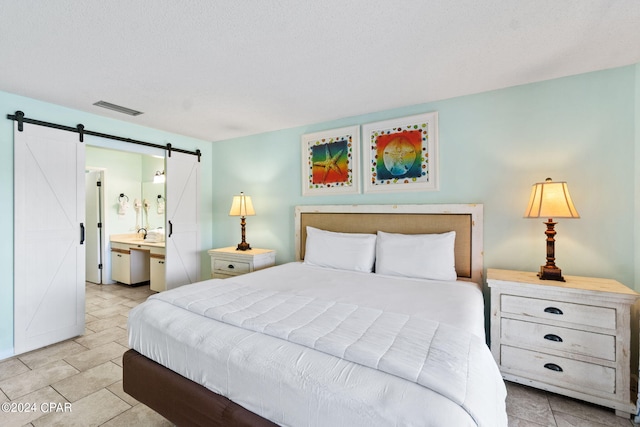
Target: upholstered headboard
<point x="464" y="219"/>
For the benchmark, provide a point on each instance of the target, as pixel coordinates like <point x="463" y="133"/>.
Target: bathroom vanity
<point x="135" y="260"/>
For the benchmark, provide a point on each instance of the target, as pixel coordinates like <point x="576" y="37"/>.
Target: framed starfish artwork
<point x="330" y="161"/>
<point x="401" y="154"/>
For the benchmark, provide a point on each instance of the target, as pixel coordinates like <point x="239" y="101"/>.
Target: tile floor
<point x="85" y="372"/>
<point x="79" y="381"/>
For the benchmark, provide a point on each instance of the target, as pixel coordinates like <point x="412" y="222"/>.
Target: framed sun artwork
<point x="330" y="161"/>
<point x="401" y="154"/>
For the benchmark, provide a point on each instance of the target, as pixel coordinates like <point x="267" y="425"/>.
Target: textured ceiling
<point x="215" y="69"/>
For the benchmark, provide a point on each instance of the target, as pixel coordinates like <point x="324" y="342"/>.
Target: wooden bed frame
<point x="186" y="403"/>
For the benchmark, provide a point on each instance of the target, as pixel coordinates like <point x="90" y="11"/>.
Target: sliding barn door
<point x="182" y="261"/>
<point x="49" y="282"/>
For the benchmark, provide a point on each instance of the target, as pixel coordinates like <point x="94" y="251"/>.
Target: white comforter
<point x="325" y="362"/>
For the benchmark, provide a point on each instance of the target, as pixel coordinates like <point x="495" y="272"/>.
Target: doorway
<point x="121" y="198"/>
<point x="94" y="180"/>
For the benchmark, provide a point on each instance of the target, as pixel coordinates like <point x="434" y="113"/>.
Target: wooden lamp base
<point x="549" y="271"/>
<point x="243" y="246"/>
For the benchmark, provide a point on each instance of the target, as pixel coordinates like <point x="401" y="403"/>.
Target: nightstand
<point x="570" y="338"/>
<point x="229" y="262"/>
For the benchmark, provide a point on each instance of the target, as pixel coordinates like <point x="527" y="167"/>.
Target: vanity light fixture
<point x="550" y="199"/>
<point x="242" y="206"/>
<point x="158" y="178"/>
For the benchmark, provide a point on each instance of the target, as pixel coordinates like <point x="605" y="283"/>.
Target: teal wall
<point x="493" y="147"/>
<point x="35" y="109"/>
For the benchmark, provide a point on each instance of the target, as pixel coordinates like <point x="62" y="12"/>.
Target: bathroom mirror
<point x="153" y="201"/>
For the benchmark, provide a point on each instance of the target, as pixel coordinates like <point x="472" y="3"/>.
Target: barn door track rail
<point x="79" y="129"/>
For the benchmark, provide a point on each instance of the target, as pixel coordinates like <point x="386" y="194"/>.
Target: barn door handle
<point x="170" y="229"/>
<point x="81" y="233"/>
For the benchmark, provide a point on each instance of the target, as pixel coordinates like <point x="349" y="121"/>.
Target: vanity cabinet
<point x="157" y="270"/>
<point x="129" y="263"/>
<point x="120" y="261"/>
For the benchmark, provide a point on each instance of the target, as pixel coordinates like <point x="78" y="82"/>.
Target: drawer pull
<point x="553" y="310"/>
<point x="553" y="367"/>
<point x="552" y="337"/>
<point x="230" y="267"/>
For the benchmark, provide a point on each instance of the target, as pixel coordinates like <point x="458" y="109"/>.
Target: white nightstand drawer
<point x="571" y="374"/>
<point x="560" y="311"/>
<point x="536" y="335"/>
<point x="231" y="267"/>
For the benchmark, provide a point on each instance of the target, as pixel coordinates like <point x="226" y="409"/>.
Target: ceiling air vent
<point x="117" y="108"/>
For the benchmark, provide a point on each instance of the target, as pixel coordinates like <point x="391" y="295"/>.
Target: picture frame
<point x="401" y="154"/>
<point x="331" y="162"/>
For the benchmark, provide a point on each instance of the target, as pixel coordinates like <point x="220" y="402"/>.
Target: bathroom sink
<point x="144" y="242"/>
<point x="134" y="240"/>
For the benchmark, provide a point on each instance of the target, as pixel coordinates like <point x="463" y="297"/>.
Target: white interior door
<point x="94" y="236"/>
<point x="49" y="282"/>
<point x="182" y="262"/>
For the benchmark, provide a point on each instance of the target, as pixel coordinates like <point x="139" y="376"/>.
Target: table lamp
<point x="550" y="199"/>
<point x="242" y="206"/>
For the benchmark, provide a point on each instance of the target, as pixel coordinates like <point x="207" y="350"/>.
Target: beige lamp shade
<point x="550" y="200"/>
<point x="241" y="206"/>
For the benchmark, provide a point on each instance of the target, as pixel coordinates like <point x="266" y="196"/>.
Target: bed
<point x="325" y="340"/>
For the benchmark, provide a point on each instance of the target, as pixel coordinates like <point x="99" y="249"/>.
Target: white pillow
<point x="424" y="256"/>
<point x="345" y="251"/>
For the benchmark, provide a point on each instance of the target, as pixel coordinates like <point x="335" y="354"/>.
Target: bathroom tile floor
<point x="78" y="382"/>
